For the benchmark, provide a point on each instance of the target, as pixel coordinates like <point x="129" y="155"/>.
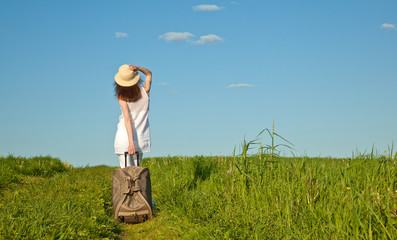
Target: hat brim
<point x="125" y="83"/>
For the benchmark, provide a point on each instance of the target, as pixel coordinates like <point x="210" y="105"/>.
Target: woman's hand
<point x="133" y="68"/>
<point x="131" y="149"/>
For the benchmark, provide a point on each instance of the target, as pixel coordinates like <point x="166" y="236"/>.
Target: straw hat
<point x="125" y="77"/>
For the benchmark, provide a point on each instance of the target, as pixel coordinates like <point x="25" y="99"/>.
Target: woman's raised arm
<point x="148" y="74"/>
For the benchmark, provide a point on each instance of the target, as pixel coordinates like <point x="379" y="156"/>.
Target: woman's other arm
<point x="128" y="125"/>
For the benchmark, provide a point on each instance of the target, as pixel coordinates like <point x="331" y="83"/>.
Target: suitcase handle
<point x="125" y="158"/>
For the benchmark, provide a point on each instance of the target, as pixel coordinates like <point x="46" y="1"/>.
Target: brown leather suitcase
<point x="132" y="194"/>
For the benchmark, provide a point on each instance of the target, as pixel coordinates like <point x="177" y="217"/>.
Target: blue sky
<point x="325" y="71"/>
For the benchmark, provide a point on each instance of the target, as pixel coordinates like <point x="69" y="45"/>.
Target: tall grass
<point x="271" y="150"/>
<point x="242" y="197"/>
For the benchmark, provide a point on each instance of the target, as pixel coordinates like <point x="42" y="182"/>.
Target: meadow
<point x="258" y="196"/>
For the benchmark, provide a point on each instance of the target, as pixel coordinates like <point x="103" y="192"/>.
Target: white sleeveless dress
<point x="139" y="112"/>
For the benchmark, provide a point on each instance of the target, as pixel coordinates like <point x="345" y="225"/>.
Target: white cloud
<point x="206" y="7"/>
<point x="176" y="36"/>
<point x="121" y="35"/>
<point x="208" y="39"/>
<point x="240" y="85"/>
<point x="388" y="26"/>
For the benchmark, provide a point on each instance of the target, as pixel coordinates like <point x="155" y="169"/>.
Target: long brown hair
<point x="128" y="94"/>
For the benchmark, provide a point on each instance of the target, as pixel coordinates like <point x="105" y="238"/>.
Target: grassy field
<point x="56" y="202"/>
<point x="237" y="197"/>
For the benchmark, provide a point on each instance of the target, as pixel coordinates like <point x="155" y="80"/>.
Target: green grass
<point x="62" y="203"/>
<point x="237" y="197"/>
<point x="287" y="198"/>
<point x="14" y="169"/>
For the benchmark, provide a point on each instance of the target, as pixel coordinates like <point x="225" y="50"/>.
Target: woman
<point x="133" y="133"/>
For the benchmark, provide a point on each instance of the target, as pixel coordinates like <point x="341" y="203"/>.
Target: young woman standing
<point x="133" y="132"/>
